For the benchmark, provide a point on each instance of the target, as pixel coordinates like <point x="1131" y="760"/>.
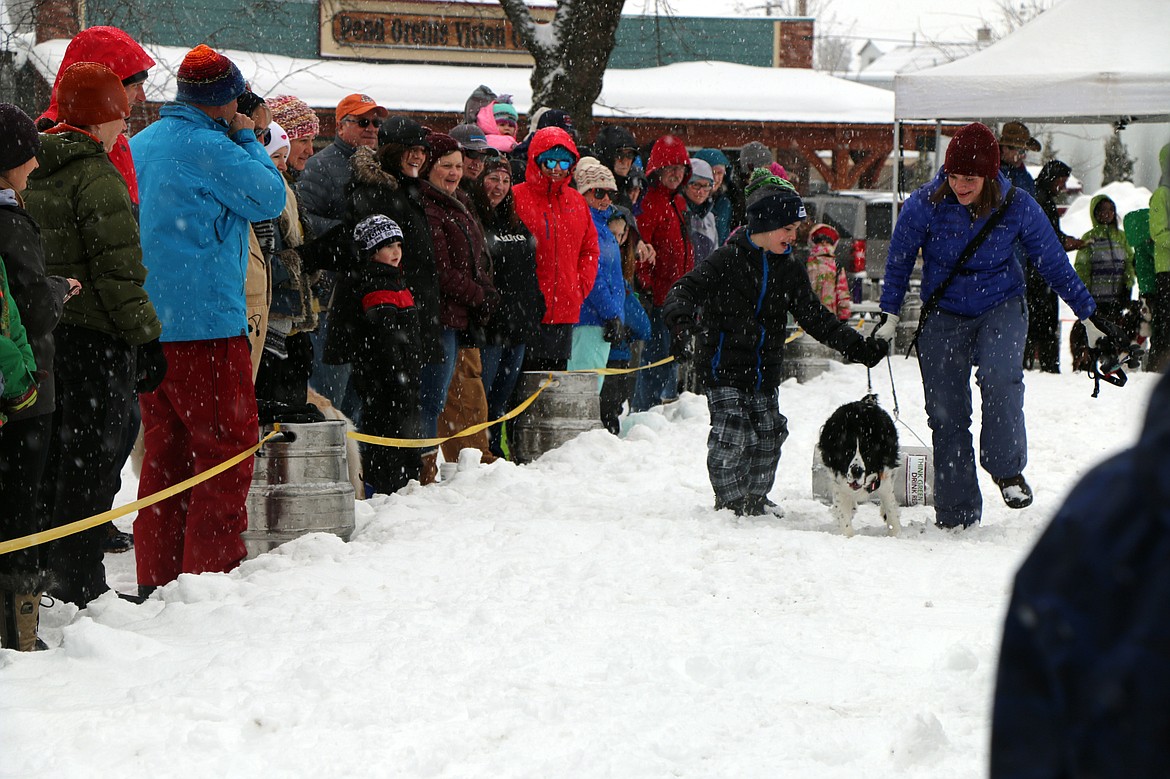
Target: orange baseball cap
<point x="358" y="104"/>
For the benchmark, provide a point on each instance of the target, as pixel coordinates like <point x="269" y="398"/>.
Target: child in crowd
<point x="374" y="305"/>
<point x="1105" y="265"/>
<point x="616" y="390"/>
<point x="825" y="275"/>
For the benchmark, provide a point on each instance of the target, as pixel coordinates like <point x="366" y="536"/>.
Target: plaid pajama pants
<point x="743" y="449"/>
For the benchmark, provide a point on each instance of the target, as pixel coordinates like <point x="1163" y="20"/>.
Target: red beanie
<point x="974" y="151"/>
<point x="89" y="94"/>
<point x="441" y="145"/>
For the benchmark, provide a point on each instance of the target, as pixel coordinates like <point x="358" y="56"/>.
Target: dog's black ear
<point x="836" y="444"/>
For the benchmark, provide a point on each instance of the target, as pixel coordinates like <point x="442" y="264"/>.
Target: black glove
<point x="333" y="250"/>
<point x="867" y="351"/>
<point x="613" y="331"/>
<point x="682" y="346"/>
<point x="274" y="411"/>
<point x="152" y="366"/>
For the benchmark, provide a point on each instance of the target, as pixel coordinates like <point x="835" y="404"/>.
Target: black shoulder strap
<point x="968" y="251"/>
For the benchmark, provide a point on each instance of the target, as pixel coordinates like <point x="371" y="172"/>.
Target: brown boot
<point x="430" y="468"/>
<point x="19" y="617"/>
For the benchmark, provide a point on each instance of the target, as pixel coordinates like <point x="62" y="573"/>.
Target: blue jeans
<point x="656" y="384"/>
<point x="950" y="345"/>
<point x="501" y="371"/>
<point x="434" y="379"/>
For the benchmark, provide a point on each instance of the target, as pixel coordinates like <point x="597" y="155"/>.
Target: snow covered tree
<point x="1118" y="164"/>
<point x="571" y="53"/>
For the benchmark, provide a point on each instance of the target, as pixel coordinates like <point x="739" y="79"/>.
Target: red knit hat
<point x="441" y="145"/>
<point x="206" y="77"/>
<point x="974" y="151"/>
<point x="89" y="94"/>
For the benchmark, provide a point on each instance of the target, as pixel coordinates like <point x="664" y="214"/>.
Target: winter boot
<point x="20" y="614"/>
<point x="430" y="468"/>
<point x="1015" y="490"/>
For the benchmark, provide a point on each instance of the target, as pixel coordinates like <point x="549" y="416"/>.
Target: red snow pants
<point x="203" y="413"/>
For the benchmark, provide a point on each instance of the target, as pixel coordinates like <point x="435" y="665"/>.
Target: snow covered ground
<point x="588" y="615"/>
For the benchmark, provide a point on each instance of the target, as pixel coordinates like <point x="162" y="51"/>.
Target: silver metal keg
<point x="567" y="407"/>
<point x="300" y="485"/>
<point x="806" y="358"/>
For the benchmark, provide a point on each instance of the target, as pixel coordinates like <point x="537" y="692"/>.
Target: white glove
<point x="1093" y="334"/>
<point x="887" y="328"/>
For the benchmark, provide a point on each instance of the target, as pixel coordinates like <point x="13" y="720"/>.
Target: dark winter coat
<point x="90" y="234"/>
<point x="741" y="297"/>
<point x="513" y="251"/>
<point x="1084" y="668"/>
<point x="384" y="317"/>
<point x="461" y="258"/>
<point x="993" y="275"/>
<point x="566" y="240"/>
<point x="322" y="186"/>
<point x="39" y="298"/>
<point x="374" y="190"/>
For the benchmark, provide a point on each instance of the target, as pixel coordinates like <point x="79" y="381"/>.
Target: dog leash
<point x="894" y="395"/>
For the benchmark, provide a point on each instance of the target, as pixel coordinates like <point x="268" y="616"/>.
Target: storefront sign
<point x="456" y="33"/>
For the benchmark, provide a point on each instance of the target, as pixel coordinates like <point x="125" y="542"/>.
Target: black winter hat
<point x="19" y="141"/>
<point x="778" y="208"/>
<point x="404" y="132"/>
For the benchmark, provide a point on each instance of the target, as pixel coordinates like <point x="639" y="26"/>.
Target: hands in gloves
<point x="613" y="331"/>
<point x="1103" y="334"/>
<point x="867" y="351"/>
<point x="887" y="328"/>
<point x="152" y="366"/>
<point x="682" y="345"/>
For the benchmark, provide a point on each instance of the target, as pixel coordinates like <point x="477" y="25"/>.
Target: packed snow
<point x="588" y="615"/>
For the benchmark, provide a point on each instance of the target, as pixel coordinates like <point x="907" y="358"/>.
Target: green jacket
<point x="16" y="358"/>
<point x="1160" y="214"/>
<point x="87" y="224"/>
<point x="1105" y="263"/>
<point x="1137" y="235"/>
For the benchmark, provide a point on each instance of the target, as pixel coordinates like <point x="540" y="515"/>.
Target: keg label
<point x="915" y="480"/>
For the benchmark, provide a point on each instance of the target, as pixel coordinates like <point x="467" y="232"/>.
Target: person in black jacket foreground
<point x="1083" y="669"/>
<point x="738" y="301"/>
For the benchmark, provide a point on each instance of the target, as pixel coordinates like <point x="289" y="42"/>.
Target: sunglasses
<point x="626" y="154"/>
<point x="363" y="122"/>
<point x="557" y="164"/>
<point x="602" y="194"/>
<point x="265" y="137"/>
<point x="473" y="154"/>
<point x="822" y="239"/>
<point x="699" y="185"/>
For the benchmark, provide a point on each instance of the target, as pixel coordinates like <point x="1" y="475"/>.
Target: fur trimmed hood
<point x="367" y="169"/>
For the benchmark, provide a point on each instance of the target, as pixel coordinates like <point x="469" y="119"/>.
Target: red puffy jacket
<point x="120" y="53"/>
<point x="566" y="240"/>
<point x="663" y="223"/>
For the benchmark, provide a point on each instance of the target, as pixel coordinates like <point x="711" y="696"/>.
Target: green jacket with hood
<point x="87" y="224"/>
<point x="1160" y="214"/>
<point x="16" y="358"/>
<point x="1105" y="263"/>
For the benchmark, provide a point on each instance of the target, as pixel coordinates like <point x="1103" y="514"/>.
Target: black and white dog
<point x="859" y="444"/>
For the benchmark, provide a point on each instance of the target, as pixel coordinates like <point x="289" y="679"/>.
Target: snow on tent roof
<point x="685" y="90"/>
<point x="1079" y="61"/>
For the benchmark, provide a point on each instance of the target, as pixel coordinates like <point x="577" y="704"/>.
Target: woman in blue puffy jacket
<point x="979" y="317"/>
<point x="600" y="323"/>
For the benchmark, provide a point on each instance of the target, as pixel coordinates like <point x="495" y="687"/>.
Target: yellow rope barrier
<point x="53" y="534"/>
<point x="45" y="536"/>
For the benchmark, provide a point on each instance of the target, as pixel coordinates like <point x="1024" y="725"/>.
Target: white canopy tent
<point x="1080" y="61"/>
